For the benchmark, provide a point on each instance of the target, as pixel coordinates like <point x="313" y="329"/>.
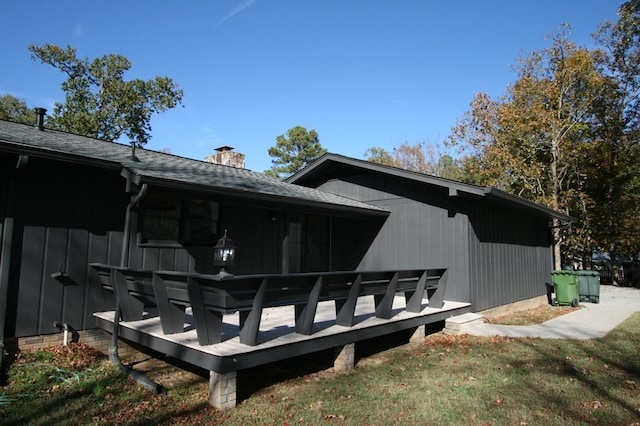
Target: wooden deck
<point x="277" y="339"/>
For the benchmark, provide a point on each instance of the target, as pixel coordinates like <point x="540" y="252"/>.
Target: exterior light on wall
<point x="224" y="253"/>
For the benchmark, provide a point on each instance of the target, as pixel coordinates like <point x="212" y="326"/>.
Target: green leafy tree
<point x="567" y="135"/>
<point x="379" y="155"/>
<point x="449" y="168"/>
<point x="416" y="157"/>
<point x="616" y="159"/>
<point x="14" y="109"/>
<point x="421" y="157"/>
<point x="99" y="102"/>
<point x="533" y="141"/>
<point x="294" y="151"/>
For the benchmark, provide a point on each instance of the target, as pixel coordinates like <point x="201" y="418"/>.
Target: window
<point x="170" y="220"/>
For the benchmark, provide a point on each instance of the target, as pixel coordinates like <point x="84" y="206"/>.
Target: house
<point x="68" y="201"/>
<point x="497" y="246"/>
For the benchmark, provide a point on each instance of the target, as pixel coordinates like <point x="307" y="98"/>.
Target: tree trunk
<point x="611" y="190"/>
<point x="555" y="197"/>
<point x="557" y="254"/>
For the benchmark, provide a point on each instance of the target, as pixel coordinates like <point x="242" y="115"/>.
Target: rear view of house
<point x="350" y="228"/>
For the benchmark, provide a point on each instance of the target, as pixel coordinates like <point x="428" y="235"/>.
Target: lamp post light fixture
<point x="224" y="253"/>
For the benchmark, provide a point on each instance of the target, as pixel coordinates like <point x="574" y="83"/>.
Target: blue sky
<point x="362" y="73"/>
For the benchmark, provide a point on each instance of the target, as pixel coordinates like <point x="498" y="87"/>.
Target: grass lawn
<point x="448" y="380"/>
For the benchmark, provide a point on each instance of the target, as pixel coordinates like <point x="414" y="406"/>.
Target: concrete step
<point x="459" y="324"/>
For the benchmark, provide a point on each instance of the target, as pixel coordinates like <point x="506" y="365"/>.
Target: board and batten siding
<point x="424" y="230"/>
<point x="67" y="216"/>
<point x="510" y="255"/>
<point x="497" y="253"/>
<point x="255" y="231"/>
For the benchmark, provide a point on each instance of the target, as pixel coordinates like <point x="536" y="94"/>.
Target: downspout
<point x="124" y="258"/>
<point x="6" y="249"/>
<point x="113" y="346"/>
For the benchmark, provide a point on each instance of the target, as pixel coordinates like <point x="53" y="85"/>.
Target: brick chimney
<point x="225" y="156"/>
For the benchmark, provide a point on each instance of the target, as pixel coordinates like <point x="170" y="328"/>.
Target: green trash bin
<point x="588" y="285"/>
<point x="566" y="287"/>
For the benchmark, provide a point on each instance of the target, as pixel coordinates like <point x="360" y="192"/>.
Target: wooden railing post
<point x="346" y="309"/>
<point x="171" y="315"/>
<point x="132" y="309"/>
<point x="249" y="332"/>
<point x="414" y="299"/>
<point x="208" y="323"/>
<point x="305" y="314"/>
<point x="384" y="303"/>
<point x="436" y="300"/>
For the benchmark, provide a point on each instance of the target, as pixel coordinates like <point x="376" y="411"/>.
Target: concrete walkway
<point x="594" y="320"/>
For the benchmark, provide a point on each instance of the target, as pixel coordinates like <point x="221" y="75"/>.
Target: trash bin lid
<point x="587" y="272"/>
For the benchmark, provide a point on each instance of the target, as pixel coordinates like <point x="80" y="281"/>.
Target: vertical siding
<point x="52" y="294"/>
<point x="423" y="230"/>
<point x="510" y="255"/>
<point x="30" y="288"/>
<point x="255" y="231"/>
<point x="78" y="250"/>
<point x="496" y="254"/>
<point x="67" y="216"/>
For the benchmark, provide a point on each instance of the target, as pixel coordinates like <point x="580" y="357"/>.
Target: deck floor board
<point x="277" y="332"/>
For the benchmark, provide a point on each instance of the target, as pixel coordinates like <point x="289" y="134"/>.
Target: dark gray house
<point x="342" y="233"/>
<point x="67" y="201"/>
<point x="497" y="246"/>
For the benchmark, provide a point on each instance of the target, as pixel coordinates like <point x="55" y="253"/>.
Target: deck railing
<point x="213" y="296"/>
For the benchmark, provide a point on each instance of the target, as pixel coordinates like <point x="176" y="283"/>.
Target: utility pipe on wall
<point x="65" y="329"/>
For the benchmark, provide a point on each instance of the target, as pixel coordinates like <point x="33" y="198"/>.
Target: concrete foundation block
<point x="222" y="390"/>
<point x="345" y="357"/>
<point x="459" y="324"/>
<point x="418" y="336"/>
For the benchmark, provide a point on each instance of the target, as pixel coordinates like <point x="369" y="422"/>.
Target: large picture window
<point x="171" y="220"/>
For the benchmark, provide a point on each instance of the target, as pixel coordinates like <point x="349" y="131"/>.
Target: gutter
<point x="6" y="249"/>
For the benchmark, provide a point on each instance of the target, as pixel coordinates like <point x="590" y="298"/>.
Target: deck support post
<point x="222" y="390"/>
<point x="345" y="357"/>
<point x="418" y="336"/>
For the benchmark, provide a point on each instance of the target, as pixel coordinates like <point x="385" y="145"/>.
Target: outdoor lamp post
<point x="224" y="253"/>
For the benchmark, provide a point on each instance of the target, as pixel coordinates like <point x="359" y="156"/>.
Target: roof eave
<point x="394" y="171"/>
<point x="523" y="202"/>
<point x="453" y="186"/>
<point x="230" y="193"/>
<point x="23" y="149"/>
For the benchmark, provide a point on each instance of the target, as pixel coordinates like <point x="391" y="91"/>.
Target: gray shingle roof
<point x="167" y="169"/>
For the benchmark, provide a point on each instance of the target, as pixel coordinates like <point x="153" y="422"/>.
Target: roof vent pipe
<point x="40" y="113"/>
<point x="133" y="157"/>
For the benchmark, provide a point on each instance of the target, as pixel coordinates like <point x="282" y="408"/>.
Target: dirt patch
<point x="533" y="316"/>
